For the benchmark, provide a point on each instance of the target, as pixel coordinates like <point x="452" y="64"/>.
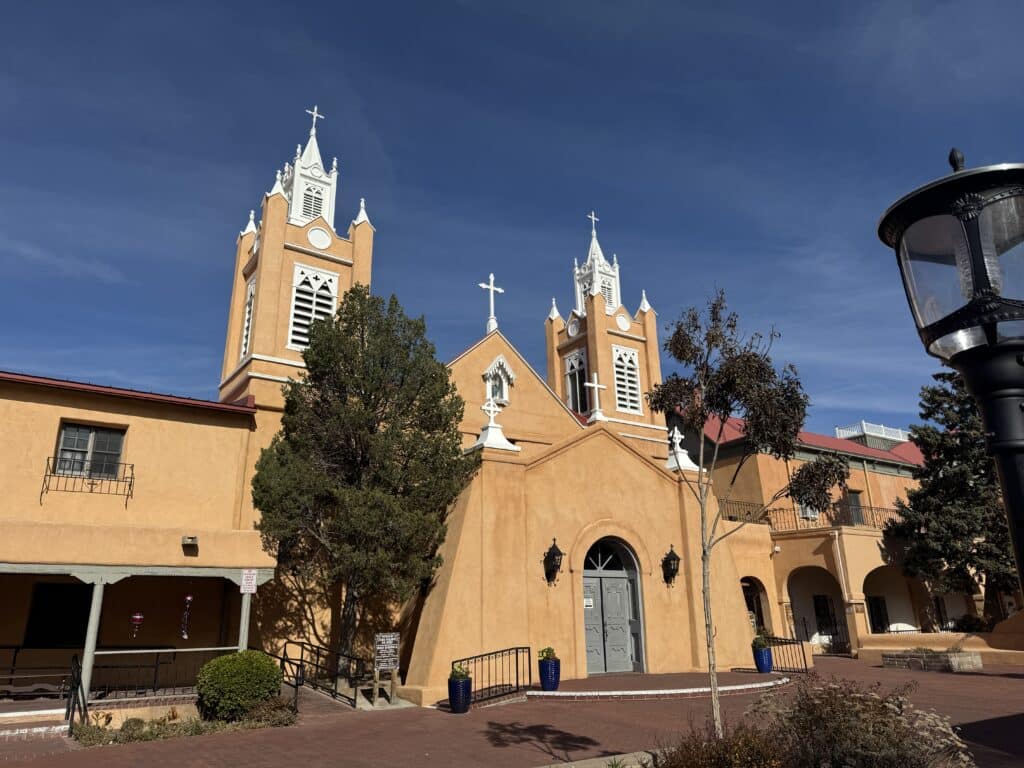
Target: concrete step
<point x="33" y="730"/>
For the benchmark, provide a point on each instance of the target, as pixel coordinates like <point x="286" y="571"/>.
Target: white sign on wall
<point x="248" y="586"/>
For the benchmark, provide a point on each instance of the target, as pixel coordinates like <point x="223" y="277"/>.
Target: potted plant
<point x="550" y="669"/>
<point x="762" y="654"/>
<point x="460" y="689"/>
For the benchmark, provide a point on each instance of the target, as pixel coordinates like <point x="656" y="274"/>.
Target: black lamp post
<point x="959" y="242"/>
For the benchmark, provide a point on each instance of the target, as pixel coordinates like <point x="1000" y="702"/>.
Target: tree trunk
<point x="348" y="621"/>
<point x="716" y="707"/>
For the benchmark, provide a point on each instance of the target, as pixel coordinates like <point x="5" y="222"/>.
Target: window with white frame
<point x="627" y="379"/>
<point x="498" y="378"/>
<point x="312" y="201"/>
<point x="575" y="381"/>
<point x="250" y="298"/>
<point x="314" y="297"/>
<point x="91" y="451"/>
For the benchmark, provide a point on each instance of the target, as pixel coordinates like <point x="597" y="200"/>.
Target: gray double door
<point x="612" y="630"/>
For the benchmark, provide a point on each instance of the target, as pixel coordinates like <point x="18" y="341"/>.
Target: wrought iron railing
<point x="337" y="674"/>
<point x="132" y="673"/>
<point x="76" y="475"/>
<point x="498" y="673"/>
<point x="788" y="654"/>
<point x="33" y="680"/>
<point x="77" y="703"/>
<point x="789" y="519"/>
<point x="743" y="511"/>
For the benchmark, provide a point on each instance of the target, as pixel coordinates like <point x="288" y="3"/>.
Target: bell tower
<point x="600" y="337"/>
<point x="292" y="267"/>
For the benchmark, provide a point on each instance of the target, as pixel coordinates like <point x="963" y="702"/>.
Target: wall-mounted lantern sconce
<point x="552" y="562"/>
<point x="670" y="565"/>
<point x="190" y="546"/>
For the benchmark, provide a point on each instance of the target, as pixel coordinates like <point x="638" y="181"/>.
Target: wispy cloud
<point x="23" y="256"/>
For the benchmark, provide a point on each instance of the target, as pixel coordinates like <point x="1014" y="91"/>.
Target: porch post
<point x="91" y="632"/>
<point x="243" y="622"/>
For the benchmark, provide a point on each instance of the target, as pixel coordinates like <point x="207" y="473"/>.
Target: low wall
<point x="1003" y="646"/>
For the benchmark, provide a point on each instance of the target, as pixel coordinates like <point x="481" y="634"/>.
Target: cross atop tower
<point x="593" y="220"/>
<point x="492" y="321"/>
<point x="316" y="116"/>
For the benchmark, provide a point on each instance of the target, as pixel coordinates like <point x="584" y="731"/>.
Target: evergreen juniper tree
<point x="953" y="526"/>
<point x="355" y="488"/>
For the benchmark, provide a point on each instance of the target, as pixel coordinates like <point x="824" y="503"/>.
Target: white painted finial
<point x="615" y="260"/>
<point x="492" y="321"/>
<point x="361" y="216"/>
<point x="678" y="457"/>
<point x="644" y="304"/>
<point x="593" y="223"/>
<point x="298" y="153"/>
<point x="334" y="165"/>
<point x="251" y="226"/>
<point x="277" y="189"/>
<point x="491" y="435"/>
<point x="595" y="413"/>
<point x="316" y="116"/>
<point x="553" y="314"/>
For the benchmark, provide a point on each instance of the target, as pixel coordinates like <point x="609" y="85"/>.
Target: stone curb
<point x="667" y="693"/>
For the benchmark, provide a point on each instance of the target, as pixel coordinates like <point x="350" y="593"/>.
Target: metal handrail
<point x="498" y="673"/>
<point x="77" y="700"/>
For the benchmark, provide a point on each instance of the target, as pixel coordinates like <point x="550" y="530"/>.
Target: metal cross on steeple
<point x="316" y="116"/>
<point x="492" y="321"/>
<point x="595" y="412"/>
<point x="593" y="223"/>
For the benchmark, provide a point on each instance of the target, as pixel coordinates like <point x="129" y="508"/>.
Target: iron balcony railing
<point x="788" y="654"/>
<point x="789" y="519"/>
<point x="137" y="672"/>
<point x="499" y="673"/>
<point x="77" y="475"/>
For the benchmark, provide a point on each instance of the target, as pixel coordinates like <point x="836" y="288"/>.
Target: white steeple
<point x="596" y="275"/>
<point x="645" y="305"/>
<point x="251" y="226"/>
<point x="308" y="185"/>
<point x="361" y="216"/>
<point x="553" y="314"/>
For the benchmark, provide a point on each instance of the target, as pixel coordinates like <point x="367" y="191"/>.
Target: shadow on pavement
<point x="1001" y="733"/>
<point x="559" y="745"/>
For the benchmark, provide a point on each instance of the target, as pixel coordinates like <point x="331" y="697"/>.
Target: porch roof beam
<point x="110" y="574"/>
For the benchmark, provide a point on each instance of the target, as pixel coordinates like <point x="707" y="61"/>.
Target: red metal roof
<point x="904" y="453"/>
<point x="246" y="407"/>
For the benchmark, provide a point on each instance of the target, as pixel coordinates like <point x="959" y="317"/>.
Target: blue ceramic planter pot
<point x="550" y="673"/>
<point x="459" y="693"/>
<point x="763" y="660"/>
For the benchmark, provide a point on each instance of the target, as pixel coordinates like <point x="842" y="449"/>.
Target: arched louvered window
<point x="250" y="299"/>
<point x="314" y="297"/>
<point x="609" y="294"/>
<point x="575" y="378"/>
<point x="312" y="202"/>
<point x="627" y="380"/>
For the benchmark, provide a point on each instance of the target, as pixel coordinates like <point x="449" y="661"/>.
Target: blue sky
<point x="742" y="147"/>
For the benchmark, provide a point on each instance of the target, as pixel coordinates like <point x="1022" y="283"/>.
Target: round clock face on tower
<point x="574" y="327"/>
<point x="319" y="237"/>
<point x="623" y="322"/>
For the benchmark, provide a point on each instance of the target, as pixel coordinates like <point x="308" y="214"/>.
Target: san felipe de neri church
<point x="129" y="515"/>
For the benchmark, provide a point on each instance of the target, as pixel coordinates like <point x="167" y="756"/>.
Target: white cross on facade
<point x="492" y="409"/>
<point x="492" y="321"/>
<point x="593" y="222"/>
<point x="316" y="116"/>
<point x="595" y="412"/>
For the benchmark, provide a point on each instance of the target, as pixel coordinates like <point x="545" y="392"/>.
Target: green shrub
<point x="230" y="686"/>
<point x="759" y="643"/>
<point x="459" y="672"/>
<point x="131" y="729"/>
<point x="842" y="723"/>
<point x="89" y="735"/>
<point x="547" y="654"/>
<point x="273" y="713"/>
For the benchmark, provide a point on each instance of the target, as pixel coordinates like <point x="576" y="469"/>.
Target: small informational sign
<point x="588" y="602"/>
<point x="248" y="586"/>
<point x="385" y="653"/>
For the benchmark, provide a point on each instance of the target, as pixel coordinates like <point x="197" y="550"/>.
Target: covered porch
<point x="135" y="631"/>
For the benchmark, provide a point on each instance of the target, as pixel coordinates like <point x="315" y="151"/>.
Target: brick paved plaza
<point x="989" y="707"/>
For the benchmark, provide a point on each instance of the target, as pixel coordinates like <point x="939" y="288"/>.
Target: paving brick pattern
<point x="989" y="706"/>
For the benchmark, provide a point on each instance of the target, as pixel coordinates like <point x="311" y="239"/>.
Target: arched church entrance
<point x="612" y="619"/>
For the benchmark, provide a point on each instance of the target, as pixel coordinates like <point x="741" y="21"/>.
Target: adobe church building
<point x="128" y="522"/>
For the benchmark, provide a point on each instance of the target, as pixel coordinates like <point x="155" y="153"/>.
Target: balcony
<point x="789" y="519"/>
<point x="83" y="476"/>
